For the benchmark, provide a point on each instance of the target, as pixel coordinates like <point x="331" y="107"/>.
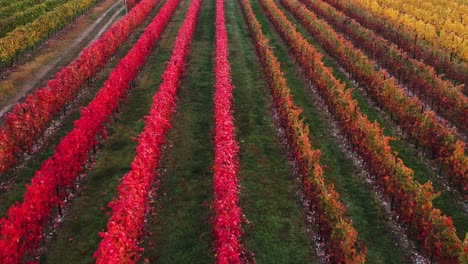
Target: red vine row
<point x="26" y="122"/>
<point x="227" y="213"/>
<point x="22" y="229"/>
<point x="120" y="243"/>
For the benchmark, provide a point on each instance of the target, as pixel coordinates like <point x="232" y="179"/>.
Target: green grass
<point x="77" y="238"/>
<point x="407" y="153"/>
<point x="276" y="232"/>
<point x="362" y="205"/>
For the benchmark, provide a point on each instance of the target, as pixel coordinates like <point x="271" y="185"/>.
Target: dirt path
<point x="57" y="53"/>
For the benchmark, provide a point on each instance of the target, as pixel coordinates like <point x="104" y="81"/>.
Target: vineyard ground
<point x="46" y="60"/>
<point x="178" y="227"/>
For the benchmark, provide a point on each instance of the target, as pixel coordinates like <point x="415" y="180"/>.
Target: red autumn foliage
<point x="26" y="122"/>
<point x="22" y="230"/>
<point x="227" y="219"/>
<point x="120" y="243"/>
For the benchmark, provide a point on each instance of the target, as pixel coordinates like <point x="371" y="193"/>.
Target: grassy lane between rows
<point x="410" y="156"/>
<point x="77" y="238"/>
<point x="179" y="228"/>
<point x="18" y="179"/>
<point x="362" y="204"/>
<point x="269" y="195"/>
